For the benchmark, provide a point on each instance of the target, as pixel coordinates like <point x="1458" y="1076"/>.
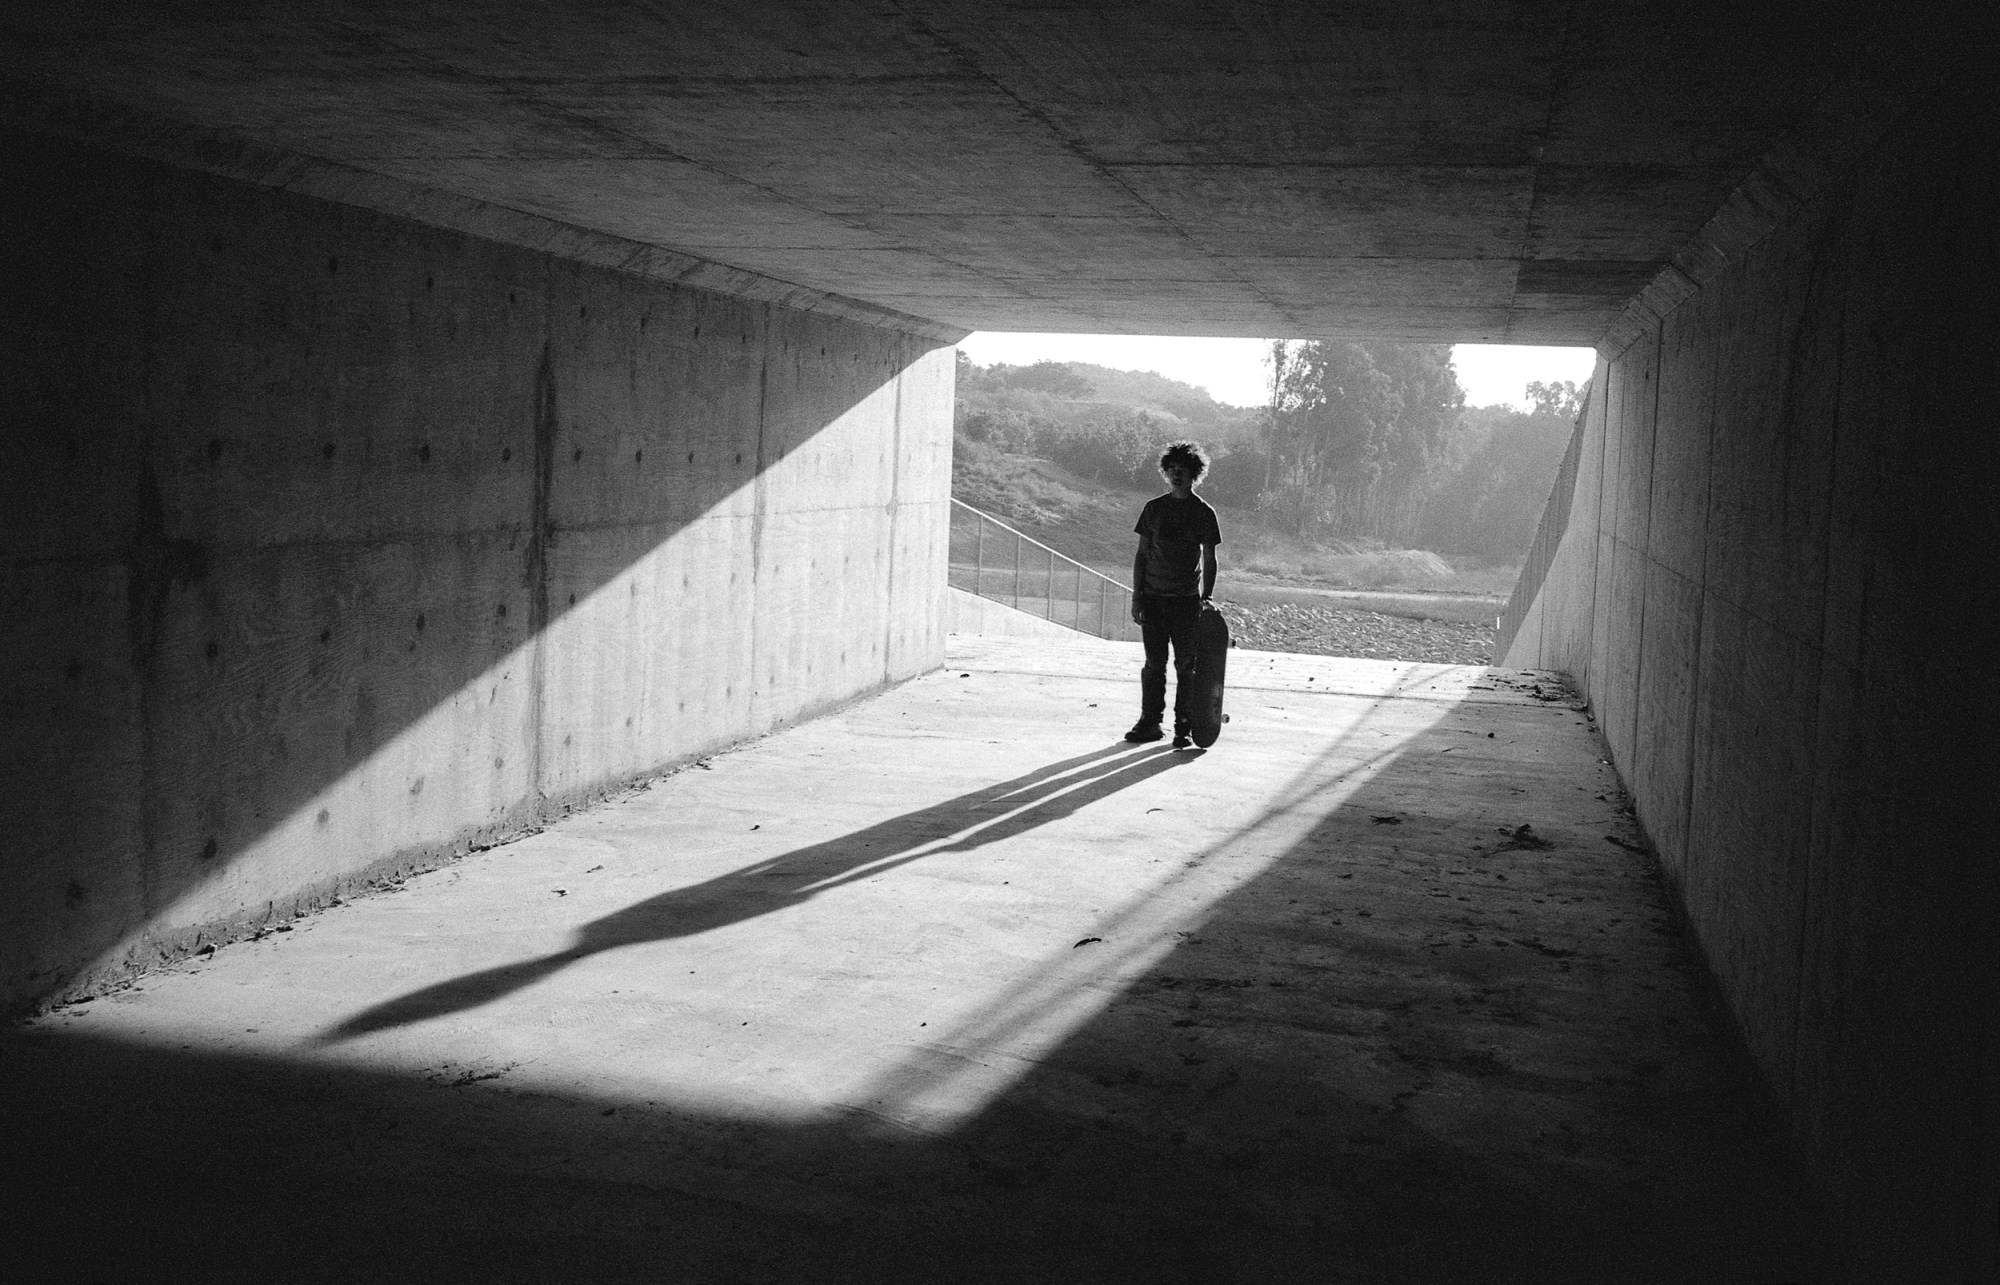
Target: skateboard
<point x="1211" y="667"/>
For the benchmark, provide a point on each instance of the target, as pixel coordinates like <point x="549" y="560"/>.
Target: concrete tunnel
<point x="423" y="423"/>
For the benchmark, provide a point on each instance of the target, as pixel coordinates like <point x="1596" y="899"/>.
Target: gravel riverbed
<point x="1338" y="631"/>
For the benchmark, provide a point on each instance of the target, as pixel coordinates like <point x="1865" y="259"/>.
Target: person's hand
<point x="1138" y="612"/>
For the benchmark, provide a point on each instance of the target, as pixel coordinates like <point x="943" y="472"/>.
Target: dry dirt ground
<point x="1371" y="635"/>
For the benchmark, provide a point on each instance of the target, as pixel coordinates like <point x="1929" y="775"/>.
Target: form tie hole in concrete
<point x="739" y="457"/>
<point x="501" y="611"/>
<point x="212" y="650"/>
<point x="208" y="850"/>
<point x="326" y="636"/>
<point x="576" y="456"/>
<point x="420" y="622"/>
<point x="506" y="453"/>
<point x="430" y="283"/>
<point x="690" y="457"/>
<point x="424" y="453"/>
<point x="326" y="452"/>
<point x="323" y="817"/>
<point x="638" y="457"/>
<point x="572" y="600"/>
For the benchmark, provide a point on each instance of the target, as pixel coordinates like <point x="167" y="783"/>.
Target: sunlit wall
<point x="335" y="544"/>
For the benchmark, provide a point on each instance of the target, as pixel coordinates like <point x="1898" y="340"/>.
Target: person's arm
<point x="1207" y="571"/>
<point x="1138" y="578"/>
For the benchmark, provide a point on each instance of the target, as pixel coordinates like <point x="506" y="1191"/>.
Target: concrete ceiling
<point x="1415" y="169"/>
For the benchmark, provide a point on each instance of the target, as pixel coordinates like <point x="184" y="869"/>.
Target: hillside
<point x="1092" y="522"/>
<point x="1089" y="521"/>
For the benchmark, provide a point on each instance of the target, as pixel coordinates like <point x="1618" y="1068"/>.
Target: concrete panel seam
<point x="895" y="509"/>
<point x="537" y="557"/>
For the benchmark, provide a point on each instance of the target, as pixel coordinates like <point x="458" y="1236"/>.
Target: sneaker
<point x="1144" y="731"/>
<point x="1182" y="740"/>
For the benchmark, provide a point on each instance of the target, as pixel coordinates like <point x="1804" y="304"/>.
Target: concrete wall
<point x="1775" y="581"/>
<point x="335" y="544"/>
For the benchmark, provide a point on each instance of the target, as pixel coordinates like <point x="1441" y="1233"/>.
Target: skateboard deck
<point x="1211" y="668"/>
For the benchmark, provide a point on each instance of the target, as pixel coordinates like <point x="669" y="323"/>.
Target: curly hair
<point x="1188" y="455"/>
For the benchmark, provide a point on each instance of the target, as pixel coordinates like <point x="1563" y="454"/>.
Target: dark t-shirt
<point x="1173" y="532"/>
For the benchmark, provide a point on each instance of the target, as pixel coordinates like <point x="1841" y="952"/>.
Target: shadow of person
<point x="961" y="824"/>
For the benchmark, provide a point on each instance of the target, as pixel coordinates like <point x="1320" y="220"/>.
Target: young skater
<point x="1173" y="574"/>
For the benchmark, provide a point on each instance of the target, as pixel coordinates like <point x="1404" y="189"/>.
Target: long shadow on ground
<point x="958" y="825"/>
<point x="1380" y="1060"/>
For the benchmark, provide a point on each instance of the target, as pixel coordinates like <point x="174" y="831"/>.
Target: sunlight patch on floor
<point x="913" y="923"/>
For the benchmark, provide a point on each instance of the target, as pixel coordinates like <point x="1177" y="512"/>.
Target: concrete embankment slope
<point x="954" y="984"/>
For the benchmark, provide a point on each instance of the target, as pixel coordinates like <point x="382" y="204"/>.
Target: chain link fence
<point x="995" y="561"/>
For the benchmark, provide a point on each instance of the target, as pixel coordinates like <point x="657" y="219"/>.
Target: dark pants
<point x="1168" y="619"/>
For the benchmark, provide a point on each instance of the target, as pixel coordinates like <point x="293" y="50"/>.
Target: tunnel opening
<point x="240" y="251"/>
<point x="1373" y="504"/>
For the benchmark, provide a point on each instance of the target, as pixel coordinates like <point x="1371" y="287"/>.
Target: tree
<point x="1560" y="398"/>
<point x="1357" y="433"/>
<point x="1490" y="500"/>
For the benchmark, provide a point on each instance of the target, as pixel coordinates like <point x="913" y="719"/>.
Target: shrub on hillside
<point x="1236" y="476"/>
<point x="1105" y="451"/>
<point x="1007" y="430"/>
<point x="1109" y="450"/>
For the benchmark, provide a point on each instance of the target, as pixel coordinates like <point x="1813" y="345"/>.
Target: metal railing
<point x="995" y="561"/>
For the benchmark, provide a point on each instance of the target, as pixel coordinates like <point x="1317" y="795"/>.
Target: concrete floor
<point x="954" y="984"/>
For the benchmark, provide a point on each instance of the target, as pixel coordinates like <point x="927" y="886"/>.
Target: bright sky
<point x="1233" y="370"/>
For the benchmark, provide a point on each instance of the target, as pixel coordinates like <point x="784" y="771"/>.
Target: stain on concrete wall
<point x="1775" y="583"/>
<point x="337" y="544"/>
